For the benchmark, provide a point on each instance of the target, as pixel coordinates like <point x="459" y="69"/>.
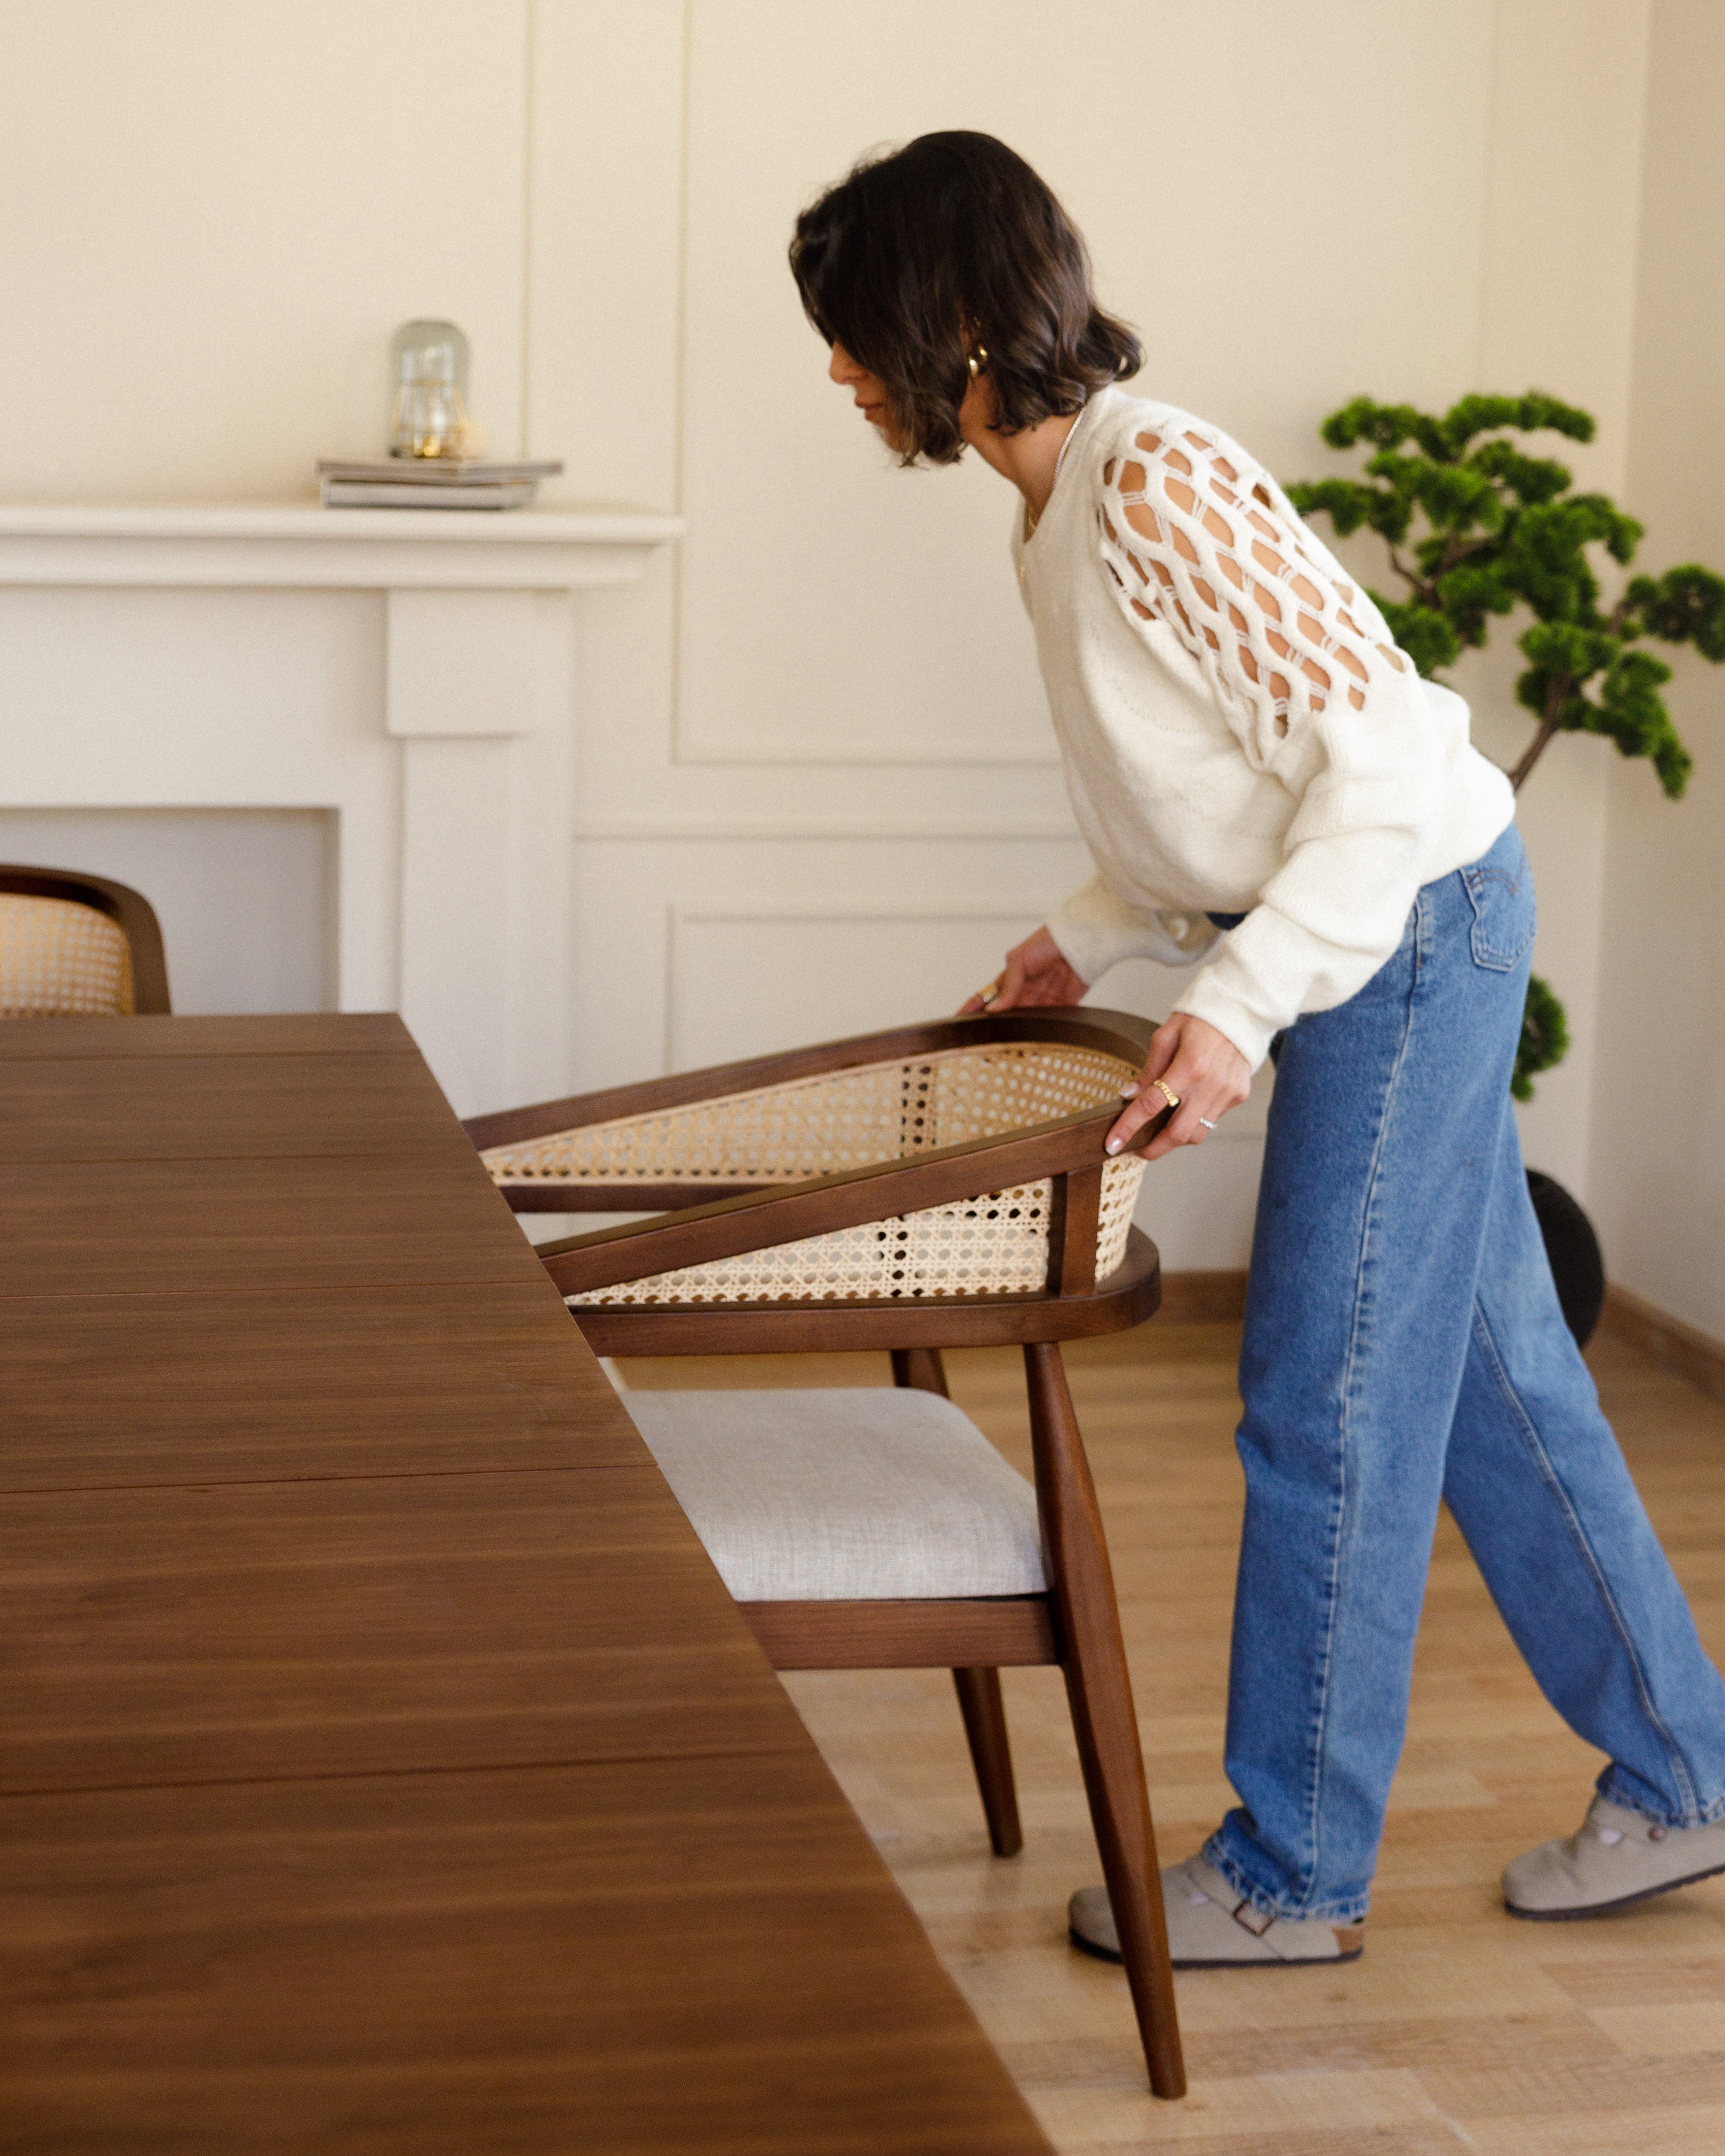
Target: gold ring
<point x="988" y="993"/>
<point x="1167" y="1093"/>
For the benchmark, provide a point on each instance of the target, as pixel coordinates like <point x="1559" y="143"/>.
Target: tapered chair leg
<point x="921" y="1369"/>
<point x="1103" y="1719"/>
<point x="984" y="1714"/>
<point x="979" y="1691"/>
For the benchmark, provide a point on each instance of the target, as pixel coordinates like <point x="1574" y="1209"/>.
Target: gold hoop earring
<point x="976" y="361"/>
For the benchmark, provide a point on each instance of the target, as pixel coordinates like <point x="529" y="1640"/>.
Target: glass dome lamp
<point x="428" y="367"/>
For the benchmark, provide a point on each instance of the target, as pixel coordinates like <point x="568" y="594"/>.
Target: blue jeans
<point x="1403" y="1344"/>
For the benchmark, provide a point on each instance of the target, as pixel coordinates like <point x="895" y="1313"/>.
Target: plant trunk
<point x="1536" y="748"/>
<point x="1557" y="694"/>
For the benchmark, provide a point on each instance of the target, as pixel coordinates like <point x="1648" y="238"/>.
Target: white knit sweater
<point x="1240" y="733"/>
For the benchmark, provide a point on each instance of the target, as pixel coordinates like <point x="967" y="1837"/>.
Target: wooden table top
<point x="386" y="1767"/>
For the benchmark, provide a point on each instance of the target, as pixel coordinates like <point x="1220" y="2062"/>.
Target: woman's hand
<point x="1034" y="973"/>
<point x="1199" y="1065"/>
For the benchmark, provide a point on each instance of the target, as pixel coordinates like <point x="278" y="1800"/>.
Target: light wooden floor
<point x="1461" y="2029"/>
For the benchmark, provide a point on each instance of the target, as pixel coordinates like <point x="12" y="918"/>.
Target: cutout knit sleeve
<point x="1195" y="536"/>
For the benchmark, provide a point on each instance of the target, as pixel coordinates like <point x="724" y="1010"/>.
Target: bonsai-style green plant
<point x="1475" y="527"/>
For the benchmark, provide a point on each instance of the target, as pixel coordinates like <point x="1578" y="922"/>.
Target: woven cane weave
<point x="58" y="959"/>
<point x="825" y="1125"/>
<point x="992" y="1245"/>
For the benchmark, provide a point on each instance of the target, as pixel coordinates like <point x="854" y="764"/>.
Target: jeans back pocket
<point x="1499" y="885"/>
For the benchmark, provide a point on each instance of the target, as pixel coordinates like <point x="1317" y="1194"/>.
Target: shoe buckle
<point x="1252" y="1920"/>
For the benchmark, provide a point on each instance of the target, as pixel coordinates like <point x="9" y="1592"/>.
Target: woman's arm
<point x="1225" y="587"/>
<point x="1035" y="973"/>
<point x="1095" y="929"/>
<point x="1200" y="1066"/>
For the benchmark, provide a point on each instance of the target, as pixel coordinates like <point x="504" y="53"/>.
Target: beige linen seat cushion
<point x="840" y="1495"/>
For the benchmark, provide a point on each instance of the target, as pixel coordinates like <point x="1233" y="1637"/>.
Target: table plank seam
<point x="301" y="1482"/>
<point x="313" y="1287"/>
<point x="566" y="1764"/>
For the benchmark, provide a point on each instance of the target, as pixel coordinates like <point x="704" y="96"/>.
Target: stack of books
<point x="430" y="483"/>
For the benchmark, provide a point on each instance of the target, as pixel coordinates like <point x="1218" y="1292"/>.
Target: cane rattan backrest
<point x="852" y="1118"/>
<point x="59" y="959"/>
<point x="73" y="945"/>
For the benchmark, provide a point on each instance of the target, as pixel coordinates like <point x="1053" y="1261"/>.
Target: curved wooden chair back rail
<point x="73" y="945"/>
<point x="785" y="1149"/>
<point x="1076" y="1622"/>
<point x="1117" y="1035"/>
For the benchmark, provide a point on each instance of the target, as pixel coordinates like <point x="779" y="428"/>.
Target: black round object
<point x="1577" y="1265"/>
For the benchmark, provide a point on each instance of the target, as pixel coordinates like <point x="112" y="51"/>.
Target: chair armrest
<point x="1130" y="1294"/>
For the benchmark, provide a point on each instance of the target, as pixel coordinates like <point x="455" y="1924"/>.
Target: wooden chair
<point x="76" y="946"/>
<point x="940" y="1185"/>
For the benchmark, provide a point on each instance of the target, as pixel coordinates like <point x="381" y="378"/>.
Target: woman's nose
<point x="842" y="367"/>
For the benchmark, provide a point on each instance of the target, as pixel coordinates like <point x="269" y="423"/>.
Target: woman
<point x="1271" y="793"/>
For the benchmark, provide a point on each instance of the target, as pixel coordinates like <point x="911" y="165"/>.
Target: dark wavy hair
<point x="925" y="255"/>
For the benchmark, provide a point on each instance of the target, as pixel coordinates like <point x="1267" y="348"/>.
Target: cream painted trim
<point x="309" y="520"/>
<point x="739" y="831"/>
<point x="677" y="917"/>
<point x="962" y="757"/>
<point x="1671" y="1342"/>
<point x="235" y="544"/>
<point x="845" y="914"/>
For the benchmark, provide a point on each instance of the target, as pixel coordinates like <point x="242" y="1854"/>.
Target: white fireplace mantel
<point x="300" y="544"/>
<point x="453" y="804"/>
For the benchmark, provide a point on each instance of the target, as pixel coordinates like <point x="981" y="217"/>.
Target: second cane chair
<point x="939" y="1185"/>
<point x="75" y="946"/>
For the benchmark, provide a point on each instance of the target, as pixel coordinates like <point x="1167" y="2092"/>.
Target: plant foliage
<point x="1545" y="1038"/>
<point x="1475" y="527"/>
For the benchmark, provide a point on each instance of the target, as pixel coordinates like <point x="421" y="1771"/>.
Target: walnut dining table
<point x="384" y="1766"/>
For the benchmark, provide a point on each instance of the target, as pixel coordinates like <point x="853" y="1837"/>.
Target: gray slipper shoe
<point x="1210" y="1926"/>
<point x="1618" y="1858"/>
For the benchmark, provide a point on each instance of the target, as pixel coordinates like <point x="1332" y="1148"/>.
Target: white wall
<point x="217" y="214"/>
<point x="814" y="784"/>
<point x="1659" y="1112"/>
<point x="1557" y="309"/>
